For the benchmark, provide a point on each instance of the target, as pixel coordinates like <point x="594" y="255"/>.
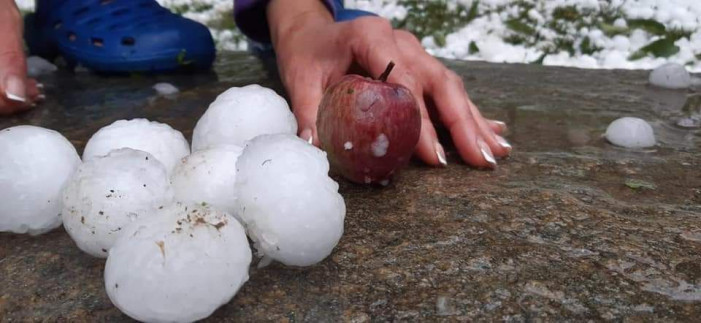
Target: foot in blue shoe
<point x="118" y="36"/>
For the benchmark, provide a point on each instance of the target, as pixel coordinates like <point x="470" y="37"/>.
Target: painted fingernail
<point x="486" y="153"/>
<point x="306" y="134"/>
<point x="502" y="142"/>
<point x="14" y="89"/>
<point x="440" y="153"/>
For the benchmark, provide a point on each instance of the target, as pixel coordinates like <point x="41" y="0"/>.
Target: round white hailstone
<point x="35" y="164"/>
<point x="671" y="76"/>
<point x="631" y="133"/>
<point x="160" y="140"/>
<point x="208" y="176"/>
<point x="165" y="89"/>
<point x="291" y="208"/>
<point x="179" y="265"/>
<point x="240" y="114"/>
<point x="108" y="193"/>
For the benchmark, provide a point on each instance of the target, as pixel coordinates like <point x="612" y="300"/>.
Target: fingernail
<point x="14" y="89"/>
<point x="500" y="123"/>
<point x="306" y="134"/>
<point x="502" y="142"/>
<point x="40" y="85"/>
<point x="486" y="153"/>
<point x="41" y="97"/>
<point x="440" y="153"/>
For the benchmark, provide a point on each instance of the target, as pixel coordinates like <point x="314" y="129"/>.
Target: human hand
<point x="313" y="53"/>
<point x="17" y="92"/>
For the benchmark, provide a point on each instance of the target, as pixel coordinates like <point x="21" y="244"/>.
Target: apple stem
<point x="383" y="77"/>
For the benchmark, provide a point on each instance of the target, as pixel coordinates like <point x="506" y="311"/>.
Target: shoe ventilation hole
<point x="97" y="42"/>
<point x="128" y="41"/>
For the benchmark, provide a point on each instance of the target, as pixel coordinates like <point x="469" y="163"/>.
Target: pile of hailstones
<point x="170" y="222"/>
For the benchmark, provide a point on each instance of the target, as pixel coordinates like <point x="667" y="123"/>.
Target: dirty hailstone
<point x="179" y="265"/>
<point x="208" y="177"/>
<point x="108" y="193"/>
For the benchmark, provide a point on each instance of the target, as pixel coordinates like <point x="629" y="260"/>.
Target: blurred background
<point x="625" y="34"/>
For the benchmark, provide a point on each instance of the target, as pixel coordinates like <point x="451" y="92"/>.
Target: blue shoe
<point x="118" y="36"/>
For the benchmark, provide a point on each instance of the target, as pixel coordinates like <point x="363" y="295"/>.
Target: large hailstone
<point x="671" y="76"/>
<point x="208" y="176"/>
<point x="178" y="265"/>
<point x="163" y="142"/>
<point x="35" y="164"/>
<point x="291" y="208"/>
<point x="107" y="193"/>
<point x="240" y="114"/>
<point x="631" y="133"/>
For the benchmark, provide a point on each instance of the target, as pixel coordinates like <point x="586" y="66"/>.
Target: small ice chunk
<point x="380" y="145"/>
<point x="165" y="89"/>
<point x="240" y="114"/>
<point x="37" y="66"/>
<point x="291" y="208"/>
<point x="178" y="265"/>
<point x="107" y="193"/>
<point x="348" y="145"/>
<point x="208" y="176"/>
<point x="670" y="76"/>
<point x="689" y="123"/>
<point x="631" y="133"/>
<point x="35" y="164"/>
<point x="160" y="140"/>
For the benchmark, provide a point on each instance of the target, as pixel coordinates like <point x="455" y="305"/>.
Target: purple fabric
<point x="251" y="19"/>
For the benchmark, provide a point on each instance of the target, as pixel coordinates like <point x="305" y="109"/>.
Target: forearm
<point x="286" y="16"/>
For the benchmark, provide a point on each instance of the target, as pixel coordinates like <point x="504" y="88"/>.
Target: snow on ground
<point x="629" y="34"/>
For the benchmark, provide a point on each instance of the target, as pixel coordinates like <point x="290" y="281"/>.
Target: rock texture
<point x="568" y="228"/>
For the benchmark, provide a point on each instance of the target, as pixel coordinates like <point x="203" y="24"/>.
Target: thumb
<point x="305" y="94"/>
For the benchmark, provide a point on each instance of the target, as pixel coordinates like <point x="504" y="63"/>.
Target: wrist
<point x="285" y="17"/>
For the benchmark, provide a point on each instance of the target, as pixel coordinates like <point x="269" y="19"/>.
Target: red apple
<point x="369" y="128"/>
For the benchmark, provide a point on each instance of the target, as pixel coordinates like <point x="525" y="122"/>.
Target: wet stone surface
<point x="562" y="230"/>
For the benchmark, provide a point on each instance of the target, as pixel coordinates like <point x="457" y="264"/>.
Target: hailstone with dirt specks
<point x="671" y="76"/>
<point x="630" y="132"/>
<point x="163" y="142"/>
<point x="291" y="208"/>
<point x="208" y="176"/>
<point x="107" y="193"/>
<point x="178" y="265"/>
<point x="240" y="114"/>
<point x="35" y="164"/>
